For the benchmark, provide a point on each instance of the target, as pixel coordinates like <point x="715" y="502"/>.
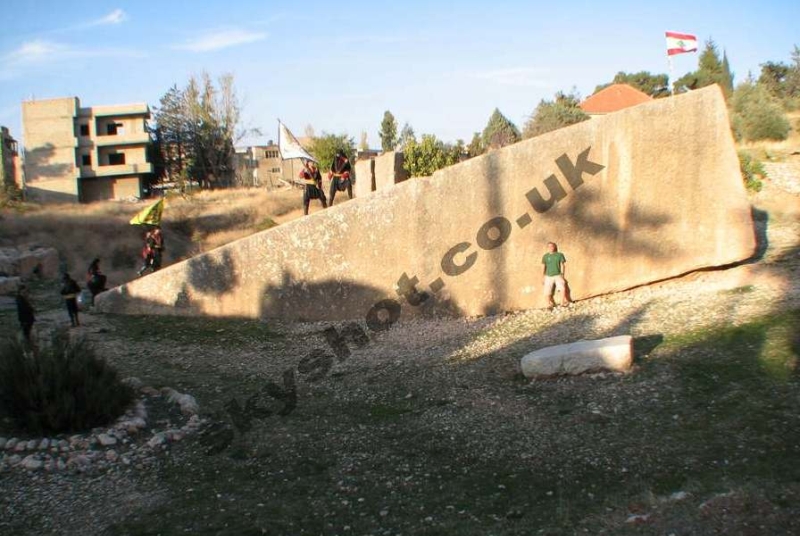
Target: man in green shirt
<point x="555" y="265"/>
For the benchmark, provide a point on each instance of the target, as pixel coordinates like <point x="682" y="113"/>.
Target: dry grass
<point x="192" y="224"/>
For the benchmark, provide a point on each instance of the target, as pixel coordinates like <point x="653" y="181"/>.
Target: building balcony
<point x="135" y="138"/>
<point x="111" y="171"/>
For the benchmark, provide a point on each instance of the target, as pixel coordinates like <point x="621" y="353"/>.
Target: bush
<point x="64" y="387"/>
<point x="757" y="115"/>
<point x="752" y="171"/>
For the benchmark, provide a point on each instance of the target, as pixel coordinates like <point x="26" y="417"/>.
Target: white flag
<point x="289" y="146"/>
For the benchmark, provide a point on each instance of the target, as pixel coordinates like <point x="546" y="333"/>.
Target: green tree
<point x="757" y="115"/>
<point x="774" y="78"/>
<point x="793" y="78"/>
<point x="430" y="154"/>
<point x="499" y="131"/>
<point x="324" y="148"/>
<point x="655" y="85"/>
<point x="555" y="114"/>
<point x="406" y="135"/>
<point x="196" y="129"/>
<point x="711" y="70"/>
<point x="475" y="147"/>
<point x="388" y="132"/>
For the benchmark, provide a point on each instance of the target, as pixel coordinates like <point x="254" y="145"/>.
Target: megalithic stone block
<point x="638" y="196"/>
<point x="613" y="353"/>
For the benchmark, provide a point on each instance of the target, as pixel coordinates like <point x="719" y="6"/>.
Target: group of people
<point x="153" y="250"/>
<point x="70" y="291"/>
<point x="339" y="176"/>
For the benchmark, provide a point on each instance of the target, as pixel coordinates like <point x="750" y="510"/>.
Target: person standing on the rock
<point x="313" y="188"/>
<point x="70" y="290"/>
<point x="25" y="312"/>
<point x="554" y="269"/>
<point x="340" y="176"/>
<point x="148" y="253"/>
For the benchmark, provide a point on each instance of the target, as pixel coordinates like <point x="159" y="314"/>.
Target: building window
<point x="84" y="130"/>
<point x="116" y="159"/>
<point x="276" y="170"/>
<point x="112" y="129"/>
<point x="86" y="160"/>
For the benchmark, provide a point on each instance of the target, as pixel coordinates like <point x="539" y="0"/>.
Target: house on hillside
<point x="76" y="154"/>
<point x="612" y="99"/>
<point x="10" y="169"/>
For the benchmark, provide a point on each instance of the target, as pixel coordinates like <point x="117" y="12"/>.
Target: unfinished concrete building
<point x="10" y="169"/>
<point x="75" y="154"/>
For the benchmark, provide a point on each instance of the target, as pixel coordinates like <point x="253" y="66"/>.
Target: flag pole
<point x="671" y="82"/>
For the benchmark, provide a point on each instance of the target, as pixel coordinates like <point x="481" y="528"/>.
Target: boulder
<point x="614" y="354"/>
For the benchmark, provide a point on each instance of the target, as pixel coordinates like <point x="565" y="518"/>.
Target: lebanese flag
<point x="678" y="43"/>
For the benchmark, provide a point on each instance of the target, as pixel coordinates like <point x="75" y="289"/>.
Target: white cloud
<point x="219" y="39"/>
<point x="515" y="76"/>
<point x="115" y="17"/>
<point x="39" y="52"/>
<point x="36" y="51"/>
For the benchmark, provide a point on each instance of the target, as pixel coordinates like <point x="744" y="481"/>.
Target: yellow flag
<point x="149" y="215"/>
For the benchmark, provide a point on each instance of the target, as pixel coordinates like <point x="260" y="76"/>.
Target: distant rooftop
<point x="613" y="98"/>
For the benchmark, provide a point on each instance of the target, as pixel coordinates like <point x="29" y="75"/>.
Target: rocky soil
<point x="429" y="428"/>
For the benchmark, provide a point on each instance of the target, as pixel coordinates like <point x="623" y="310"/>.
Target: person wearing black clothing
<point x="70" y="290"/>
<point x="158" y="248"/>
<point x="340" y="176"/>
<point x="25" y="312"/>
<point x="95" y="279"/>
<point x="313" y="188"/>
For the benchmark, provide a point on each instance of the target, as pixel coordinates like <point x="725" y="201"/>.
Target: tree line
<point x="196" y="128"/>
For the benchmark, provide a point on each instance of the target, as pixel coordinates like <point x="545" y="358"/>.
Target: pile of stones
<point x="130" y="441"/>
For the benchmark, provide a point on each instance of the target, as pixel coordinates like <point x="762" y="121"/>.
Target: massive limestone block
<point x="612" y="353"/>
<point x="633" y="197"/>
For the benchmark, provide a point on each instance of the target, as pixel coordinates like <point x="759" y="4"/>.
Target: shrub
<point x="64" y="387"/>
<point x="752" y="171"/>
<point x="757" y="115"/>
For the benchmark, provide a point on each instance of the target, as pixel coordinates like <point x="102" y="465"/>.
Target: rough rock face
<point x="613" y="353"/>
<point x="633" y="197"/>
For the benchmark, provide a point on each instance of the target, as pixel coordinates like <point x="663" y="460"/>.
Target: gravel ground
<point x="437" y="365"/>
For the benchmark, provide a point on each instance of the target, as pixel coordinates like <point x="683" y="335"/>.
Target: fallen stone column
<point x="613" y="353"/>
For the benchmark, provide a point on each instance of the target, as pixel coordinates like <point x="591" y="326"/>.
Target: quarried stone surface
<point x="638" y="196"/>
<point x="613" y="353"/>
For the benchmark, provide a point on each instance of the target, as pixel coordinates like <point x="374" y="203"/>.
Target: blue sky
<point x="440" y="66"/>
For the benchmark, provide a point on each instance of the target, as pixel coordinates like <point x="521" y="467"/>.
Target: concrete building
<point x="75" y="154"/>
<point x="10" y="168"/>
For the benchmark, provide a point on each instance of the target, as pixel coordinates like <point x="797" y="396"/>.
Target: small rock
<point x="21" y="446"/>
<point x="11" y="443"/>
<point x="14" y="460"/>
<point x="32" y="444"/>
<point x="44" y="444"/>
<point x="133" y="382"/>
<point x="32" y="463"/>
<point x="107" y="440"/>
<point x="156" y="440"/>
<point x="112" y="456"/>
<point x="2" y="443"/>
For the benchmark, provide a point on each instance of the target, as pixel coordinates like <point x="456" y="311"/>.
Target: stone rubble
<point x="122" y="443"/>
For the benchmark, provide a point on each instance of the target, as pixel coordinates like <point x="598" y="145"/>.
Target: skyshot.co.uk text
<point x="385" y="313"/>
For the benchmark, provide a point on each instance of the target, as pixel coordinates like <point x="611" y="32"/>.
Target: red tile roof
<point x="613" y="98"/>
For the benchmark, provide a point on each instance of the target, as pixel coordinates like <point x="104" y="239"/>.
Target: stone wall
<point x="638" y="196"/>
